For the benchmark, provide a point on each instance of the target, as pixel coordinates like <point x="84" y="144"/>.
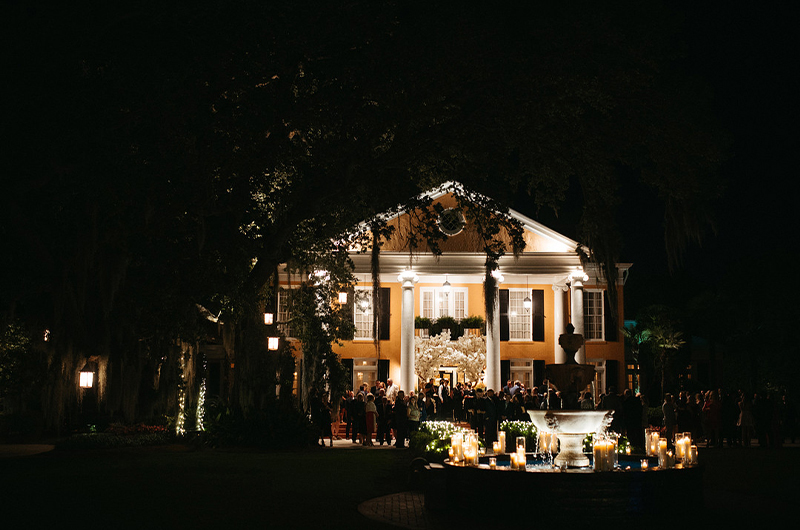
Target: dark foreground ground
<point x="181" y="487"/>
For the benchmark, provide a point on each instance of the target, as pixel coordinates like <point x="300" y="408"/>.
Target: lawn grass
<point x="175" y="487"/>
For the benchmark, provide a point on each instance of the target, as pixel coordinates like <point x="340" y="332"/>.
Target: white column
<point x="492" y="379"/>
<point x="559" y="321"/>
<point x="578" y="277"/>
<point x="408" y="377"/>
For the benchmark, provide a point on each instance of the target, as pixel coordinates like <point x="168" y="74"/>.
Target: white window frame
<point x="368" y="366"/>
<point x="593" y="315"/>
<point x="519" y="319"/>
<point x="522" y="366"/>
<point x="430" y="302"/>
<point x="284" y="314"/>
<point x="362" y="319"/>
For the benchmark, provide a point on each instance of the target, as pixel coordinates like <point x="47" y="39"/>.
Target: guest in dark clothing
<point x="401" y="419"/>
<point x="349" y="403"/>
<point x="458" y="405"/>
<point x="491" y="403"/>
<point x="632" y="418"/>
<point x="359" y="418"/>
<point x="384" y="433"/>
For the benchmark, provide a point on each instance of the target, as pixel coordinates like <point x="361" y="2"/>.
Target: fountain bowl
<point x="571" y="427"/>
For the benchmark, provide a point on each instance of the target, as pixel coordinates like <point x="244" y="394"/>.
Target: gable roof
<point x="538" y="237"/>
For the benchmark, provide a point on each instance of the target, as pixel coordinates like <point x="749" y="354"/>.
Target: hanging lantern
<point x="273" y="343"/>
<point x="268" y="318"/>
<point x="343" y="297"/>
<point x="87" y="376"/>
<point x="526" y="303"/>
<point x="446" y="285"/>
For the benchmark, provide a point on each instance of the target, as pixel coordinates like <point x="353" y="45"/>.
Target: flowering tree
<point x="468" y="354"/>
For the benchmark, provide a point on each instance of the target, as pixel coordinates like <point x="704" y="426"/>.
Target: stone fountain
<point x="571" y="426"/>
<point x="632" y="493"/>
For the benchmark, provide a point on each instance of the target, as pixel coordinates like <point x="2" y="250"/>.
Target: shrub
<point x="520" y="428"/>
<point x="433" y="439"/>
<point x="276" y="426"/>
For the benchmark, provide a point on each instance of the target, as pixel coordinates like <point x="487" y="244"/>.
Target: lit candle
<point x="645" y="463"/>
<point x="662" y="452"/>
<point x="501" y="438"/>
<point x="492" y="462"/>
<point x="693" y="454"/>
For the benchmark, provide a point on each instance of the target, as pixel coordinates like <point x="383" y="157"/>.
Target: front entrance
<point x="450" y="373"/>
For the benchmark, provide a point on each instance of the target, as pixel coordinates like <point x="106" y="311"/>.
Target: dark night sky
<point x="749" y="59"/>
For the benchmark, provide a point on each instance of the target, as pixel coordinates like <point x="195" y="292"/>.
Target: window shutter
<point x="612" y="375"/>
<point x="348" y="366"/>
<point x="538" y="373"/>
<point x="611" y="333"/>
<point x="505" y="373"/>
<point x="383" y="318"/>
<point x="348" y="315"/>
<point x="383" y="369"/>
<point x="537" y="298"/>
<point x="505" y="332"/>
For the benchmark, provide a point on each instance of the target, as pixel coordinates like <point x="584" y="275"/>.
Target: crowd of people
<point x="384" y="414"/>
<point x="719" y="418"/>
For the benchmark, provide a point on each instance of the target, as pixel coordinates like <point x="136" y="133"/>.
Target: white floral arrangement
<point x="468" y="354"/>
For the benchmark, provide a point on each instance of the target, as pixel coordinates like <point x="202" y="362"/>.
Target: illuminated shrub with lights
<point x="433" y="439"/>
<point x="622" y="444"/>
<point x="514" y="428"/>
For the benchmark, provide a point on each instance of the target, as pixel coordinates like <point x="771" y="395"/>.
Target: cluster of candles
<point x="499" y="446"/>
<point x="604" y="451"/>
<point x="464" y="449"/>
<point x="518" y="459"/>
<point x="685" y="452"/>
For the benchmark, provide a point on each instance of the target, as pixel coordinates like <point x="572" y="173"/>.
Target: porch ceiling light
<point x="446" y="285"/>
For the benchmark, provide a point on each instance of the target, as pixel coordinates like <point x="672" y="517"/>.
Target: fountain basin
<point x="480" y="494"/>
<point x="571" y="426"/>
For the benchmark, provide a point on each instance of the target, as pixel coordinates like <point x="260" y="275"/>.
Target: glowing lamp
<point x="526" y="302"/>
<point x="343" y="297"/>
<point x="273" y="343"/>
<point x="446" y="285"/>
<point x="87" y="377"/>
<point x="268" y="318"/>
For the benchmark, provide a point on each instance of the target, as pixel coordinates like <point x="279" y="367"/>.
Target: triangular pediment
<point x="537" y="237"/>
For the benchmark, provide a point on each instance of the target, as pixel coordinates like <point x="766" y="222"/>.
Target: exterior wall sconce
<point x="268" y="318"/>
<point x="87" y="376"/>
<point x="273" y="343"/>
<point x="343" y="297"/>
